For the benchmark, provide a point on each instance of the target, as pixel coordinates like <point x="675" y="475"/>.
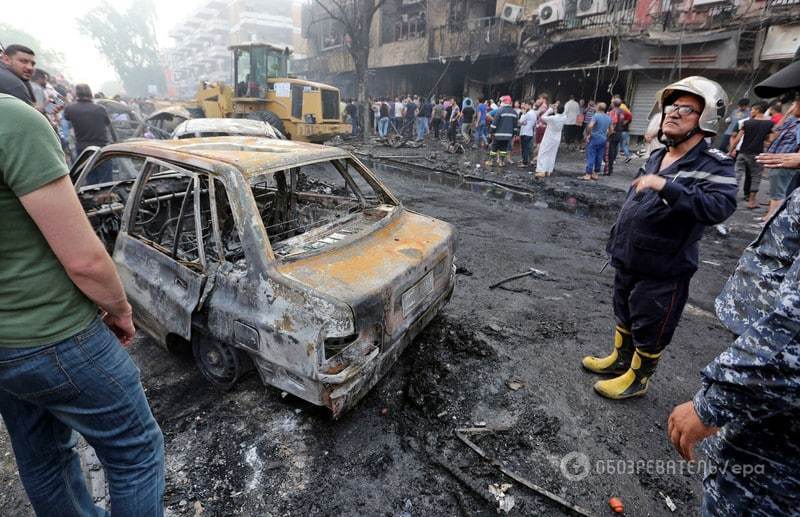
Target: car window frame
<point x="150" y="163"/>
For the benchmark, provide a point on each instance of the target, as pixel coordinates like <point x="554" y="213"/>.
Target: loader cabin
<point x="261" y="72"/>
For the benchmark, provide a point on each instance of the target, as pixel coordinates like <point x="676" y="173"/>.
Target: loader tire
<point x="271" y="119"/>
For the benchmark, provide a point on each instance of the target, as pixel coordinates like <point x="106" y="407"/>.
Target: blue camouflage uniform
<point x="752" y="390"/>
<point x="654" y="244"/>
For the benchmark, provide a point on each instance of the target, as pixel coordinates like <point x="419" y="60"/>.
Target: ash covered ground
<point x="505" y="358"/>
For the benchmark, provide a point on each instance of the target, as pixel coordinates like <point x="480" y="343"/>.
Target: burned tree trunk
<point x="356" y="16"/>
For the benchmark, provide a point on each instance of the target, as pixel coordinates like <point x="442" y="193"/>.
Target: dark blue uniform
<point x="654" y="245"/>
<point x="752" y="389"/>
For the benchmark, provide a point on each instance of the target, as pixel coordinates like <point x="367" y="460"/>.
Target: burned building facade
<point x="202" y="39"/>
<point x="417" y="46"/>
<point x="585" y="48"/>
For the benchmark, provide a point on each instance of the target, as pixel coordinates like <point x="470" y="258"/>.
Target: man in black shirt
<point x="467" y="118"/>
<point x="409" y="114"/>
<point x="424" y="118"/>
<point x="352" y="111"/>
<point x="17" y="64"/>
<point x="92" y="126"/>
<point x="753" y="134"/>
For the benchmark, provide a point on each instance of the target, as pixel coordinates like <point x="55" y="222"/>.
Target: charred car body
<point x="288" y="257"/>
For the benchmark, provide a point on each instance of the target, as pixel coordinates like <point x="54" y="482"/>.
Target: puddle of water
<point x="541" y="199"/>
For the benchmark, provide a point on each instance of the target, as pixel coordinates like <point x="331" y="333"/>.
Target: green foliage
<point x="128" y="41"/>
<point x="46" y="59"/>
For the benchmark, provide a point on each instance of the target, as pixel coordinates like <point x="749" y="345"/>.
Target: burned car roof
<point x="250" y="155"/>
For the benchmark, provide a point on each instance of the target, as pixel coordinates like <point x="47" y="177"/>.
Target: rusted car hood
<point x="372" y="273"/>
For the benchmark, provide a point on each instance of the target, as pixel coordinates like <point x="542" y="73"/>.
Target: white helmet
<point x="714" y="98"/>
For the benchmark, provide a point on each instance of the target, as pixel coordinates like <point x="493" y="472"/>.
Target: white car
<point x="207" y="127"/>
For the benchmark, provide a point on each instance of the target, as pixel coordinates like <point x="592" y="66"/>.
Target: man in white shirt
<point x="398" y="114"/>
<point x="526" y="124"/>
<point x="571" y="111"/>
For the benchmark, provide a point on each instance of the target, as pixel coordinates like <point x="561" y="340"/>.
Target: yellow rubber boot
<point x="620" y="358"/>
<point x="632" y="383"/>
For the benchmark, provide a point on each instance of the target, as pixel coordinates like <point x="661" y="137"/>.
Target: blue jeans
<point x="626" y="144"/>
<point x="422" y="127"/>
<point x="86" y="384"/>
<point x="482" y="134"/>
<point x="595" y="151"/>
<point x="383" y="127"/>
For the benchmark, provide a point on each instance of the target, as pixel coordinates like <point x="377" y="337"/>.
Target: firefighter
<point x="504" y="122"/>
<point x="653" y="246"/>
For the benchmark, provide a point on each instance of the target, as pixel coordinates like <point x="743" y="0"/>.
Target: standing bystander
<point x="753" y="134"/>
<point x="17" y="64"/>
<point x="596" y="137"/>
<point x="571" y="111"/>
<point x="63" y="368"/>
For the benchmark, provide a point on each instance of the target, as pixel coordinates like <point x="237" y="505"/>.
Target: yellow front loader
<point x="264" y="90"/>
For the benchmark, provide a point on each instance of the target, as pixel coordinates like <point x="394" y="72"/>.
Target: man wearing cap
<point x="749" y="403"/>
<point x="682" y="189"/>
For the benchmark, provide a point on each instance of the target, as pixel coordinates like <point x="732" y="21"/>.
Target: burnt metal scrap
<point x="291" y="259"/>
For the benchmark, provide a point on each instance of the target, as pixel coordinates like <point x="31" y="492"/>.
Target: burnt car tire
<point x="270" y="118"/>
<point x="221" y="365"/>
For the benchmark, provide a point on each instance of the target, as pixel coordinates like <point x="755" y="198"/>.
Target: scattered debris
<point x="408" y="507"/>
<point x="384" y="411"/>
<point x="668" y="501"/>
<point x="461" y="270"/>
<point x="505" y="502"/>
<point x="616" y="505"/>
<point x="461" y="434"/>
<point x="531" y="271"/>
<point x="516" y="385"/>
<point x="722" y="230"/>
<point x="710" y="263"/>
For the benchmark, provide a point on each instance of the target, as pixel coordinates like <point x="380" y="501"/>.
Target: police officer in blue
<point x="749" y="403"/>
<point x="654" y="245"/>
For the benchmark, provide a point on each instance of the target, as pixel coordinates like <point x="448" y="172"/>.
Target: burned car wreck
<point x="286" y="257"/>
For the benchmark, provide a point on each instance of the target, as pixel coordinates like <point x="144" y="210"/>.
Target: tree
<point x="128" y="41"/>
<point x="46" y="59"/>
<point x="355" y="17"/>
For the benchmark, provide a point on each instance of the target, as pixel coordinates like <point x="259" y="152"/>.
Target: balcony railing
<point x="618" y="13"/>
<point x="479" y="36"/>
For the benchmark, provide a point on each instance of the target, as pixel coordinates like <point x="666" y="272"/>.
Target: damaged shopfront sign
<point x="716" y="51"/>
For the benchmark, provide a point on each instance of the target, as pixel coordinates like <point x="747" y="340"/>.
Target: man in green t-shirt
<point x="62" y="366"/>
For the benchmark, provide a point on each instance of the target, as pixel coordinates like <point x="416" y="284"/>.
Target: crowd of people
<point x="756" y="128"/>
<point x="70" y="109"/>
<point x="534" y="127"/>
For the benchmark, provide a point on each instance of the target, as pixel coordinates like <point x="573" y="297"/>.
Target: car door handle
<point x="181" y="282"/>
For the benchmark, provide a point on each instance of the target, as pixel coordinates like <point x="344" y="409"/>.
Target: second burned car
<point x="288" y="257"/>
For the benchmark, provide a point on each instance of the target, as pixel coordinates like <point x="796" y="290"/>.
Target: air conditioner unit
<point x="551" y="12"/>
<point x="512" y="13"/>
<point x="590" y="7"/>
